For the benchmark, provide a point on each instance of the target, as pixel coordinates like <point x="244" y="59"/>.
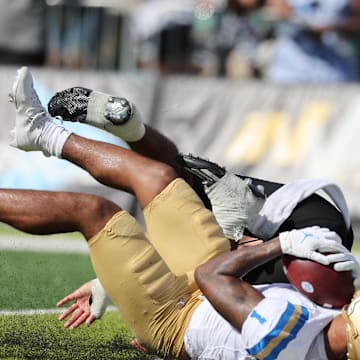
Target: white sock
<point x="131" y="131"/>
<point x="53" y="138"/>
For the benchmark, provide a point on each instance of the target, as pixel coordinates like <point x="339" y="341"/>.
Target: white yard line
<point x="29" y="312"/>
<point x="43" y="244"/>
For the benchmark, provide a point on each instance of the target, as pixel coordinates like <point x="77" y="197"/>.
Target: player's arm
<point x="220" y="278"/>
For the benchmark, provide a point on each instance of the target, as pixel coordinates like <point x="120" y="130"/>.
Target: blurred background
<point x="267" y="88"/>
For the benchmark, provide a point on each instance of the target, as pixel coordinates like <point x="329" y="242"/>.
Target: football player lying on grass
<point x="159" y="286"/>
<point x="259" y="208"/>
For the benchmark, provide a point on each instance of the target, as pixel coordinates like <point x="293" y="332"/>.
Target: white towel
<point x="280" y="204"/>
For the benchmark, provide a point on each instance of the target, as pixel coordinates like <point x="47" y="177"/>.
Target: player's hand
<point x="80" y="310"/>
<point x="311" y="243"/>
<point x="234" y="204"/>
<point x="346" y="262"/>
<point x="91" y="303"/>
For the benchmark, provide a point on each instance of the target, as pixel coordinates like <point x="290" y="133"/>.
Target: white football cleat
<point x="31" y="116"/>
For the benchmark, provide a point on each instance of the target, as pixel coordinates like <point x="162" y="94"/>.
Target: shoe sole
<point x="205" y="170"/>
<point x="12" y="95"/>
<point x="21" y="73"/>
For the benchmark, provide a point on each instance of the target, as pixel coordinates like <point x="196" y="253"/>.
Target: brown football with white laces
<point x="320" y="283"/>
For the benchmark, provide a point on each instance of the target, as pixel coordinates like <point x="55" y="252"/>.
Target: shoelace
<point x="37" y="115"/>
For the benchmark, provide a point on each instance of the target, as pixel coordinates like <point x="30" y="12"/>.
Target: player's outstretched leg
<point x="114" y="114"/>
<point x="49" y="212"/>
<point x="117" y="116"/>
<point x="109" y="164"/>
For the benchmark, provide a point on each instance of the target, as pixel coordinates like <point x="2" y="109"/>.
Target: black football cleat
<point x="207" y="171"/>
<point x="71" y="104"/>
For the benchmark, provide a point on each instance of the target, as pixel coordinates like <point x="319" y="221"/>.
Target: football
<point x="320" y="283"/>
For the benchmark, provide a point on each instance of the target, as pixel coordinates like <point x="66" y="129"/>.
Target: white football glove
<point x="346" y="261"/>
<point x="99" y="299"/>
<point x="234" y="204"/>
<point x="311" y="243"/>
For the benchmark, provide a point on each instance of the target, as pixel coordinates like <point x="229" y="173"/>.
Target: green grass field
<point x="43" y="337"/>
<point x="31" y="281"/>
<point x="43" y="278"/>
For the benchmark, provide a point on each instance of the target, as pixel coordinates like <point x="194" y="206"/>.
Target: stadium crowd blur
<point x="282" y="41"/>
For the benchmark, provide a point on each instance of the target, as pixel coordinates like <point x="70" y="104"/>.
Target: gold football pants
<point x="152" y="283"/>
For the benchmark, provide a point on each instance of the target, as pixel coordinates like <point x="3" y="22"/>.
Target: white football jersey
<point x="284" y="325"/>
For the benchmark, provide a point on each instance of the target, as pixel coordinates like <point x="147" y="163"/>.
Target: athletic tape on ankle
<point x="104" y="108"/>
<point x="53" y="139"/>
